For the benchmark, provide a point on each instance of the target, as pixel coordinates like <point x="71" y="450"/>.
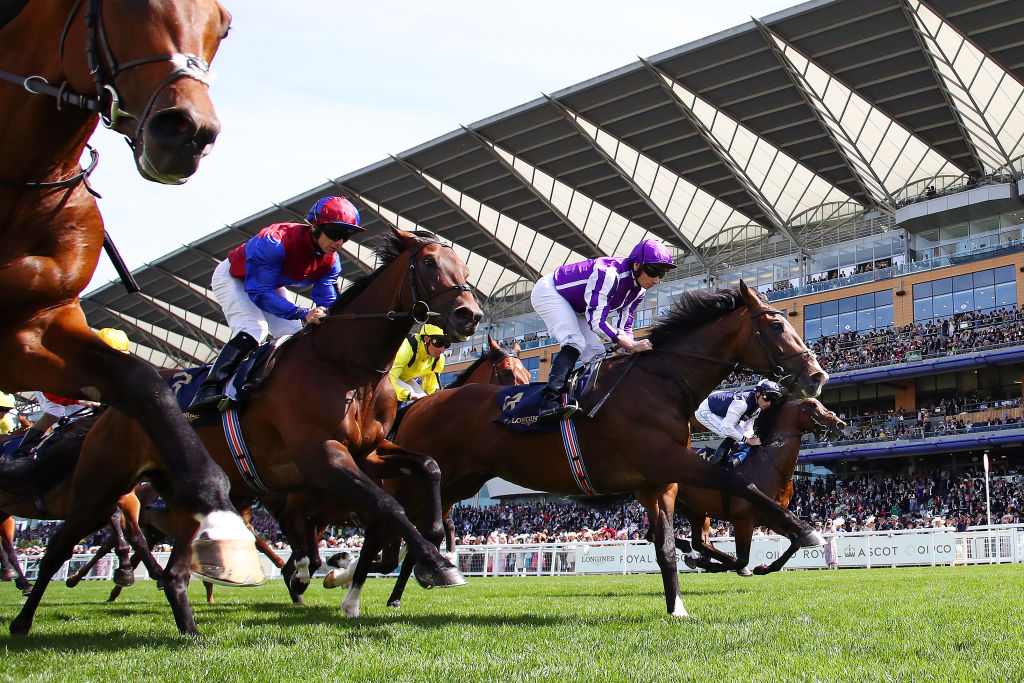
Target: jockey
<point x="56" y="407"/>
<point x="10" y="419"/>
<point x="249" y="285"/>
<point x="419" y="363"/>
<point x="731" y="415"/>
<point x="581" y="301"/>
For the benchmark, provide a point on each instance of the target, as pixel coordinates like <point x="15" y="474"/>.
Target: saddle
<point x="519" y="404"/>
<point x="252" y="371"/>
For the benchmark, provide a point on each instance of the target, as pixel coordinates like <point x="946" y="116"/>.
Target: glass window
<point x="883" y="316"/>
<point x="953" y="233"/>
<point x="963" y="301"/>
<point x="812" y="311"/>
<point x="865" y="301"/>
<point x="984" y="298"/>
<point x="847" y="322"/>
<point x="1006" y="295"/>
<point x="830" y="326"/>
<point x="984" y="278"/>
<point x="962" y="283"/>
<point x="922" y="309"/>
<point x="829" y="308"/>
<point x="942" y="306"/>
<point x="866" y="320"/>
<point x="883" y="297"/>
<point x="848" y="305"/>
<point x="812" y="329"/>
<point x="943" y="286"/>
<point x="1005" y="274"/>
<point x="922" y="290"/>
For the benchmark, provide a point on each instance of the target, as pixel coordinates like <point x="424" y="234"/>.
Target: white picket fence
<point x="918" y="547"/>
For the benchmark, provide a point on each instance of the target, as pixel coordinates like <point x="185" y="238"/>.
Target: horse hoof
<point x="231" y="562"/>
<point x="744" y="572"/>
<point x="8" y="575"/>
<point x="395" y="604"/>
<point x="27" y="590"/>
<point x="810" y="539"/>
<point x="124" y="578"/>
<point x="690" y="560"/>
<point x="337" y="579"/>
<point x="72" y="581"/>
<point x="442" y="577"/>
<point x="761" y="570"/>
<point x="20" y="627"/>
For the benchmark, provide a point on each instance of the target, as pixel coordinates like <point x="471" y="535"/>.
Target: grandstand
<point x="857" y="161"/>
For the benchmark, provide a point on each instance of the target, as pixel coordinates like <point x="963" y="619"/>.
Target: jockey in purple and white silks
<point x="250" y="285"/>
<point x="582" y="302"/>
<point x="731" y="415"/>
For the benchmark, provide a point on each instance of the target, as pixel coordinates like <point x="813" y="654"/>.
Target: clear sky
<point x="308" y="90"/>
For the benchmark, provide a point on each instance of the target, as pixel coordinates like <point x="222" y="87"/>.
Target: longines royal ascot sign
<point x="852" y="551"/>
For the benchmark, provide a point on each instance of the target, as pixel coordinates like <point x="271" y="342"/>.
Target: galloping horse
<point x="317" y="423"/>
<point x="147" y="63"/>
<point x="639" y="439"/>
<point x="770" y="468"/>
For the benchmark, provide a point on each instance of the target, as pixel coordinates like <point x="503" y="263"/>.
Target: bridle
<point x="105" y="69"/>
<point x="419" y="311"/>
<point x="495" y="364"/>
<point x="832" y="424"/>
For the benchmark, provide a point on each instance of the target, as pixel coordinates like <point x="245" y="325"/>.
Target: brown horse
<point x="769" y="467"/>
<point x="316" y="424"/>
<point x="147" y="63"/>
<point x="497" y="366"/>
<point x="48" y="477"/>
<point x="639" y="438"/>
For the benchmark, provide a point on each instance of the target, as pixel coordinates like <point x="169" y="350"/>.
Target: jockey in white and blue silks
<point x="731" y="415"/>
<point x="582" y="302"/>
<point x="250" y="285"/>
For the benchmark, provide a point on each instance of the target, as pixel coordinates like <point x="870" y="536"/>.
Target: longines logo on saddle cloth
<point x="519" y="404"/>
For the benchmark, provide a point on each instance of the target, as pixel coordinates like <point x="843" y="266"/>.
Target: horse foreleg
<point x="660" y="505"/>
<point x="743" y="532"/>
<point x="100" y="553"/>
<point x="124" y="576"/>
<point x="395" y="599"/>
<point x="775" y="566"/>
<point x="390" y="461"/>
<point x="58" y="551"/>
<point x="176" y="577"/>
<point x="367" y="555"/>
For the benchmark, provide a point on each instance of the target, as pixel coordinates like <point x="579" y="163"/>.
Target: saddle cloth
<point x="519" y="404"/>
<point x="251" y="373"/>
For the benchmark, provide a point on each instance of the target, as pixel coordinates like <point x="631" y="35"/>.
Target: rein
<point x="107" y="101"/>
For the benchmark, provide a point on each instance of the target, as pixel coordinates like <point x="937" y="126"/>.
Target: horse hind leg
<point x="660" y="506"/>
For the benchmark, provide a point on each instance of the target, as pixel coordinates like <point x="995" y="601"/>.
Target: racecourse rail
<point x="911" y="547"/>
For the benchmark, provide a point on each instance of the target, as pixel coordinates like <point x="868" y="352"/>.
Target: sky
<point x="308" y="90"/>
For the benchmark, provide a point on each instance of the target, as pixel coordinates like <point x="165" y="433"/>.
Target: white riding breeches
<point x="241" y="313"/>
<point x="564" y="324"/>
<point x="740" y="432"/>
<point x="414" y="387"/>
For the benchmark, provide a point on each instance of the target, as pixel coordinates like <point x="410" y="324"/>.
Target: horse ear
<point x="407" y="237"/>
<point x="494" y="344"/>
<point x="516" y="349"/>
<point x="749" y="296"/>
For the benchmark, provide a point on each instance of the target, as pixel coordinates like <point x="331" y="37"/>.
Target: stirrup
<point x="557" y="412"/>
<point x="218" y="403"/>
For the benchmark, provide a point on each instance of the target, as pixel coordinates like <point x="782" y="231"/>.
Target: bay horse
<point x="639" y="439"/>
<point x="317" y="423"/>
<point x="770" y="467"/>
<point x="495" y="365"/>
<point x="142" y="68"/>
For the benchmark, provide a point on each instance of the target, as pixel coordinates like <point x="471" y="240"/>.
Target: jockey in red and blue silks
<point x="250" y="285"/>
<point x="581" y="302"/>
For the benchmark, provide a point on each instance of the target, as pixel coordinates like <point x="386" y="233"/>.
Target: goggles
<point x="335" y="231"/>
<point x="655" y="269"/>
<point x="441" y="342"/>
<point x="770" y="396"/>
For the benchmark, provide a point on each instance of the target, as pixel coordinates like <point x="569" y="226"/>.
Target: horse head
<point x="779" y="351"/>
<point x="815" y="417"/>
<point x="438" y="285"/>
<point x="508" y="369"/>
<point x="148" y="63"/>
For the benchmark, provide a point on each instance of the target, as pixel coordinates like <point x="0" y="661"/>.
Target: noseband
<point x="105" y="70"/>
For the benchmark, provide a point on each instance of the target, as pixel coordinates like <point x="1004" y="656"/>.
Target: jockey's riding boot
<point x="721" y="456"/>
<point x="555" y="403"/>
<point x="211" y="395"/>
<point x="32" y="437"/>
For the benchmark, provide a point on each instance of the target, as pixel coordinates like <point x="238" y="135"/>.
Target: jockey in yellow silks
<point x="419" y="363"/>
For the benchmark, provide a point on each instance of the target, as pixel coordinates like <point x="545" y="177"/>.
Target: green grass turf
<point x="920" y="624"/>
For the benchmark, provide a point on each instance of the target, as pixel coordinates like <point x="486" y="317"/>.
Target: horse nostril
<point x="178" y="128"/>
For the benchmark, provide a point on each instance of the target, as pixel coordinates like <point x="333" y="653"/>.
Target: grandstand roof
<point x="763" y="130"/>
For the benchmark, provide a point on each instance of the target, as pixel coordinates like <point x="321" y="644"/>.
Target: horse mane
<point x="386" y="248"/>
<point x="694" y="309"/>
<point x="491" y="354"/>
<point x="764" y="423"/>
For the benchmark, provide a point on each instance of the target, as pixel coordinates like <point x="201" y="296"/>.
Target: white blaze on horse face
<point x="351" y="602"/>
